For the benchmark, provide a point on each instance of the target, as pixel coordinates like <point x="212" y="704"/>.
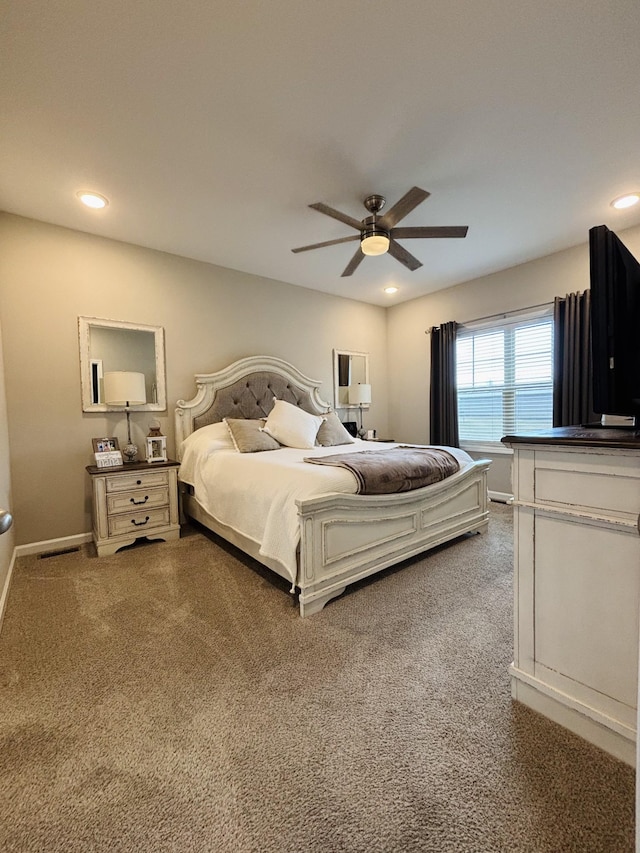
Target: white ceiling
<point x="211" y="126"/>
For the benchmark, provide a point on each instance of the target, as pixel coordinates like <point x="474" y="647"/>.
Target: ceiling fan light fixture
<point x="374" y="241"/>
<point x="379" y="234"/>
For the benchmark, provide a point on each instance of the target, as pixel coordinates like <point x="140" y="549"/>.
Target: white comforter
<point x="255" y="493"/>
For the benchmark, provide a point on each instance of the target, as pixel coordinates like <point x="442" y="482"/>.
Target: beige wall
<point x="534" y="283"/>
<point x="49" y="276"/>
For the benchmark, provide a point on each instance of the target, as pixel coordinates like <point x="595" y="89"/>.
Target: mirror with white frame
<point x="113" y="345"/>
<point x="349" y="368"/>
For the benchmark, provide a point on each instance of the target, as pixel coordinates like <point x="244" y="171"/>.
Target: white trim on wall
<point x="52" y="545"/>
<point x="500" y="497"/>
<point x="4" y="596"/>
<point x="486" y="447"/>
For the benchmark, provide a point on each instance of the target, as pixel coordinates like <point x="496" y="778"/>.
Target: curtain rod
<point x="502" y="315"/>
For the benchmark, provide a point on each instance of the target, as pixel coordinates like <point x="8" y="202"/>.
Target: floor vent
<point x="46" y="554"/>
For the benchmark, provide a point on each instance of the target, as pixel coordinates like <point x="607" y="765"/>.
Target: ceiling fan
<point x="378" y="234"/>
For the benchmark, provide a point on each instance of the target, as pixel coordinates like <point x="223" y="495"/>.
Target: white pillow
<point x="292" y="426"/>
<point x="199" y="445"/>
<point x="202" y="437"/>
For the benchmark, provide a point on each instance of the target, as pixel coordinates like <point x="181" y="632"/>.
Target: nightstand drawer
<point x="138" y="522"/>
<point x="136" y="480"/>
<point x="137" y="500"/>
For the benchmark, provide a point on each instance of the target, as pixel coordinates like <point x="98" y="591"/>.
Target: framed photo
<point x="105" y="445"/>
<point x="156" y="448"/>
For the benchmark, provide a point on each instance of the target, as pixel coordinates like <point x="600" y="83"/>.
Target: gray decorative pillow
<point x="332" y="432"/>
<point x="248" y="435"/>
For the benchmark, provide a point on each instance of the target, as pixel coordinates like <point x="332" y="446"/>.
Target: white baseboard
<point x="52" y="545"/>
<point x="500" y="497"/>
<point x="4" y="596"/>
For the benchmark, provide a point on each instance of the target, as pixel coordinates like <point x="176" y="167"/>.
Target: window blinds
<point x="505" y="377"/>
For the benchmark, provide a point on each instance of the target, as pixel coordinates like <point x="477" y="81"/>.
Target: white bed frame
<point x="344" y="538"/>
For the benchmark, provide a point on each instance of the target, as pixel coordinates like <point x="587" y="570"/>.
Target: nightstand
<point x="132" y="501"/>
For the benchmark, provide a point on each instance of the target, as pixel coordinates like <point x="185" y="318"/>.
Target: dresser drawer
<point x="601" y="482"/>
<point x="138" y="500"/>
<point x="138" y="523"/>
<point x="136" y="480"/>
<point x="618" y="495"/>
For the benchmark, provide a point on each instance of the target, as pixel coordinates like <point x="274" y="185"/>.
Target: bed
<point x="304" y="521"/>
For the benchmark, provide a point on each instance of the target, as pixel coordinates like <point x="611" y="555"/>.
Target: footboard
<point x="347" y="537"/>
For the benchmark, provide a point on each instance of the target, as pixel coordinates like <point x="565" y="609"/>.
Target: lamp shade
<point x="359" y="395"/>
<point x="122" y="388"/>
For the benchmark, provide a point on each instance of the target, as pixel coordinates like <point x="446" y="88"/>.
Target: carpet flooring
<point x="170" y="698"/>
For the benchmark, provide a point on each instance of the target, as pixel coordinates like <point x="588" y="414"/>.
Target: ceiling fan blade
<point x="428" y="231"/>
<point x="353" y="263"/>
<point x="327" y="243"/>
<point x="342" y="217"/>
<point x="401" y="254"/>
<point x="402" y="208"/>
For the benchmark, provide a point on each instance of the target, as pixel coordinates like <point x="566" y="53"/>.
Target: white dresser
<point x="132" y="501"/>
<point x="577" y="581"/>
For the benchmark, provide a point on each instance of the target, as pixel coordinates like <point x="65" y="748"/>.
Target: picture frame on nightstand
<point x="105" y="445"/>
<point x="156" y="448"/>
<point x="106" y="452"/>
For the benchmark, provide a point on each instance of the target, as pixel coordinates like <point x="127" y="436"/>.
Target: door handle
<point x="6" y="520"/>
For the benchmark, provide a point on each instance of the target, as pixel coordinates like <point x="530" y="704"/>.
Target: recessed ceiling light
<point x="625" y="201"/>
<point x="94" y="200"/>
<point x="391" y="290"/>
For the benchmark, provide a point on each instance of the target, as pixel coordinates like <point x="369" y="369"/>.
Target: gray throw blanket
<point x="395" y="469"/>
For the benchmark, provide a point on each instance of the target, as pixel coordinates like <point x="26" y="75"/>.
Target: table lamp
<point x="124" y="388"/>
<point x="360" y="395"/>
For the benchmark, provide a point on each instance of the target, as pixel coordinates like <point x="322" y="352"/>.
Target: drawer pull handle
<point x="139" y="503"/>
<point x="138" y="482"/>
<point x="139" y="523"/>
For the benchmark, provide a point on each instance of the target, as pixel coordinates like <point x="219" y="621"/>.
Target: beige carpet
<point x="170" y="698"/>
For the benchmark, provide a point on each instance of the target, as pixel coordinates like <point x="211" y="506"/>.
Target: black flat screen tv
<point x="615" y="325"/>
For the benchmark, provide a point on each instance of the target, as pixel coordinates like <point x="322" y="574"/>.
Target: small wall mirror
<point x="349" y="368"/>
<point x="107" y="345"/>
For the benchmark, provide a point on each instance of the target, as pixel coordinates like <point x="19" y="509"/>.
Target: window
<point x="505" y="378"/>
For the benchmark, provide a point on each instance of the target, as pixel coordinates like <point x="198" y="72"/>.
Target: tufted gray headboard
<point x="252" y="397"/>
<point x="246" y="389"/>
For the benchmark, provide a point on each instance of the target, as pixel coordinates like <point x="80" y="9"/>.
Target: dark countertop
<point x="581" y="436"/>
<point x="130" y="467"/>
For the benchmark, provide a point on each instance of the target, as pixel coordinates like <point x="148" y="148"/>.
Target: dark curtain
<point x="443" y="421"/>
<point x="572" y="394"/>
